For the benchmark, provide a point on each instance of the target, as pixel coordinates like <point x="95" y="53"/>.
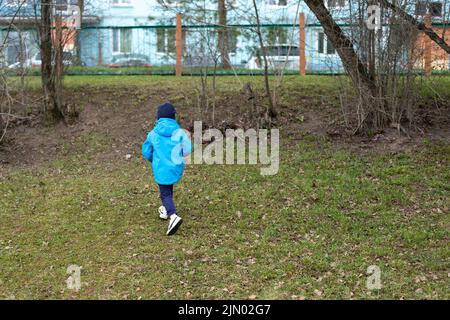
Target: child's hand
<point x="187" y="133"/>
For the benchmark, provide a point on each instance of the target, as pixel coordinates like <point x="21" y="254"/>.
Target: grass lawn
<point x="308" y="81"/>
<point x="311" y="231"/>
<point x="224" y="82"/>
<point x="317" y="86"/>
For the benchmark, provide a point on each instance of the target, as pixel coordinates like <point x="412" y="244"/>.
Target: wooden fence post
<point x="427" y="48"/>
<point x="178" y="46"/>
<point x="302" y="44"/>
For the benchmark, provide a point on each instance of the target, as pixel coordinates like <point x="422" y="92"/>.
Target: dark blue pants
<point x="166" y="194"/>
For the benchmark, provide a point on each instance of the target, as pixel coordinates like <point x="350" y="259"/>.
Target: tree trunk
<point x="272" y="110"/>
<point x="223" y="34"/>
<point x="77" y="35"/>
<point x="363" y="81"/>
<point x="51" y="107"/>
<point x="344" y="47"/>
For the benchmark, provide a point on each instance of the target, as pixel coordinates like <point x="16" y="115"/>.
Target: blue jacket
<point x="165" y="147"/>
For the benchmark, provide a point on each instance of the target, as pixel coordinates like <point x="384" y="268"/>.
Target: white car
<point x="17" y="65"/>
<point x="36" y="61"/>
<point x="278" y="57"/>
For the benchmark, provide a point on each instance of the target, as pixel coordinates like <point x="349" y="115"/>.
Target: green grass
<point x="154" y="70"/>
<point x="310" y="231"/>
<point x="225" y="82"/>
<point x="293" y="86"/>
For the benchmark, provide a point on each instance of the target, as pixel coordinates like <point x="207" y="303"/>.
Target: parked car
<point x="198" y="61"/>
<point x="18" y="64"/>
<point x="129" y="60"/>
<point x="278" y="57"/>
<point x="36" y="61"/>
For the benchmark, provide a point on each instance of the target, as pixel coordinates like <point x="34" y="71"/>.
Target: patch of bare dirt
<point x="126" y="115"/>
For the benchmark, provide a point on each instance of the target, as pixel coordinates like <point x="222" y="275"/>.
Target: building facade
<point x="146" y="29"/>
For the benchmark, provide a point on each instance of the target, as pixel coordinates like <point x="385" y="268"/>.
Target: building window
<point x="336" y="4"/>
<point x="165" y="40"/>
<point x="320" y="42"/>
<point x="276" y="36"/>
<point x="324" y="45"/>
<point x="171" y="3"/>
<point x="121" y="2"/>
<point x="421" y="8"/>
<point x="16" y="3"/>
<point x="433" y="8"/>
<point x="63" y="5"/>
<point x="122" y="40"/>
<point x="232" y="41"/>
<point x="278" y="3"/>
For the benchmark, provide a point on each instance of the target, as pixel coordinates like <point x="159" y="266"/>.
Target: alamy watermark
<point x="235" y="147"/>
<point x="374" y="279"/>
<point x="373" y="21"/>
<point x="71" y="17"/>
<point x="74" y="280"/>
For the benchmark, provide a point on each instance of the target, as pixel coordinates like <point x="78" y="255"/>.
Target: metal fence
<point x="97" y="50"/>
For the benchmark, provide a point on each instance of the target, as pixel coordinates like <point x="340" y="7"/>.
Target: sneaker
<point x="174" y="223"/>
<point x="163" y="213"/>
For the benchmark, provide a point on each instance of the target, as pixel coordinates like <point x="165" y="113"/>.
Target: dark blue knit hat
<point x="166" y="110"/>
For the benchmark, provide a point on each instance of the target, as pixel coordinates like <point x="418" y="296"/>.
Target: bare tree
<point x="77" y="40"/>
<point x="272" y="110"/>
<point x="223" y="34"/>
<point x="381" y="73"/>
<point x="52" y="106"/>
<point x="420" y="25"/>
<point x="7" y="113"/>
<point x="344" y="46"/>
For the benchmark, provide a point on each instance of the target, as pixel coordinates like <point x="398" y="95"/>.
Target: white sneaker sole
<point x="174" y="225"/>
<point x="163" y="213"/>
